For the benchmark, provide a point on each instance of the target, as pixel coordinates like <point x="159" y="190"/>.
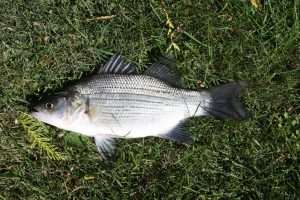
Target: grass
<point x="44" y="44"/>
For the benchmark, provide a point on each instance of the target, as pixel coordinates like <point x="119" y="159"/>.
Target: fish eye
<point x="49" y="106"/>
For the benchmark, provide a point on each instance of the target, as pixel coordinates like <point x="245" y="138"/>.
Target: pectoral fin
<point x="105" y="146"/>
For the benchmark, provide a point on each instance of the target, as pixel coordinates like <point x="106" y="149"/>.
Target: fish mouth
<point x="34" y="112"/>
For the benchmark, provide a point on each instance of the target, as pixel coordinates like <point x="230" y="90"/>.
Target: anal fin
<point x="178" y="134"/>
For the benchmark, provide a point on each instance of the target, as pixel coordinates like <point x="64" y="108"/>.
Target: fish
<point x="117" y="102"/>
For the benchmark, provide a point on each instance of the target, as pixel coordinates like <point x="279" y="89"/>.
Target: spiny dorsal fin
<point x="105" y="146"/>
<point x="117" y="65"/>
<point x="160" y="69"/>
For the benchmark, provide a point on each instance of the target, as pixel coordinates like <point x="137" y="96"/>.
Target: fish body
<point x="119" y="103"/>
<point x="131" y="106"/>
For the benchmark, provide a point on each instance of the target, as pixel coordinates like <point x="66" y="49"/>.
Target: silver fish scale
<point x="136" y="84"/>
<point x="123" y="100"/>
<point x="129" y="93"/>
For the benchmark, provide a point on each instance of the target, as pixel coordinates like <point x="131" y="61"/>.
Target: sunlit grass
<point x="44" y="44"/>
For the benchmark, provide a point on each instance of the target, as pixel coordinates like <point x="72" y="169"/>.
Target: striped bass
<point x="119" y="103"/>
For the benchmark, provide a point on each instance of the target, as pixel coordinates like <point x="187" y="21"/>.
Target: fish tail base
<point x="225" y="102"/>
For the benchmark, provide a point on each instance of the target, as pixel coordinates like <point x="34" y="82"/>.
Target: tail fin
<point x="225" y="103"/>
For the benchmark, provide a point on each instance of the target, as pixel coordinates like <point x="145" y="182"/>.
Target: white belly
<point x="139" y="127"/>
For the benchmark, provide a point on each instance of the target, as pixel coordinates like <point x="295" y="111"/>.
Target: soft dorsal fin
<point x="160" y="69"/>
<point x="117" y="65"/>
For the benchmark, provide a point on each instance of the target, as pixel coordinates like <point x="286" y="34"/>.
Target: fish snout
<point x="34" y="111"/>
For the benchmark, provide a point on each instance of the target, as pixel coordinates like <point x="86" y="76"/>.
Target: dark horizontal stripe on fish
<point x="130" y="107"/>
<point x="127" y="114"/>
<point x="129" y="111"/>
<point x="128" y="81"/>
<point x="130" y="85"/>
<point x="133" y="90"/>
<point x="134" y="94"/>
<point x="126" y="101"/>
<point x="149" y="89"/>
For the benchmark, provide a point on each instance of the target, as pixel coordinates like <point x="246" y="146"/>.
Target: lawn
<point x="44" y="44"/>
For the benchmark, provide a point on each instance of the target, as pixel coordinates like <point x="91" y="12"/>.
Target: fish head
<point x="58" y="110"/>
